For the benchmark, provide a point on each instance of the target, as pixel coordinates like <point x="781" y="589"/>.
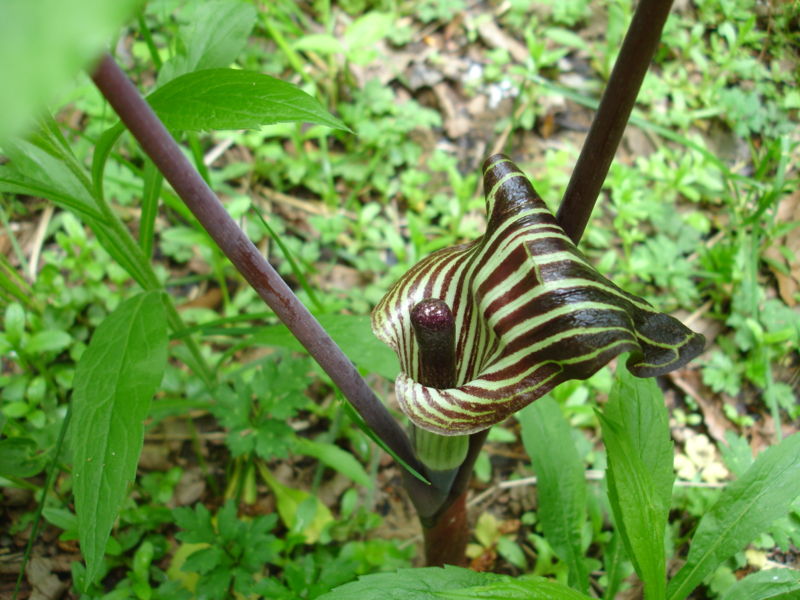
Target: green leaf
<point x="523" y="588"/>
<point x="43" y="46"/>
<point x="232" y="99"/>
<point x="737" y="454"/>
<point x="771" y="584"/>
<point x="745" y="508"/>
<point x="18" y="458"/>
<point x="336" y="458"/>
<point x="14" y="323"/>
<point x="351" y="332"/>
<point x="39" y="173"/>
<point x="292" y="505"/>
<point x="115" y="380"/>
<point x="213" y="37"/>
<point x="321" y="43"/>
<point x="362" y="35"/>
<point x="411" y="584"/>
<point x="49" y="340"/>
<point x="561" y="483"/>
<point x="636" y="434"/>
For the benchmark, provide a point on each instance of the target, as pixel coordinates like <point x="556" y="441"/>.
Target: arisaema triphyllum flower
<point x="530" y="313"/>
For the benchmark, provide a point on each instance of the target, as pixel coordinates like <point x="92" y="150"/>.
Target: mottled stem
<point x="615" y="108"/>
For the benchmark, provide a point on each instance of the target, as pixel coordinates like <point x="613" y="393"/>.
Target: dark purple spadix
<point x="434" y="329"/>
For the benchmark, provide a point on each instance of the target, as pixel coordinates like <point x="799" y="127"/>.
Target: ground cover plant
<point x="253" y="479"/>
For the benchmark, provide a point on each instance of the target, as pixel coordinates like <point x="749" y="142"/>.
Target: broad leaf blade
<point x="335" y="458"/>
<point x="770" y="584"/>
<point x="523" y="588"/>
<point x="640" y="476"/>
<point x="232" y="99"/>
<point x="745" y="508"/>
<point x="292" y="507"/>
<point x="215" y="35"/>
<point x="411" y="584"/>
<point x="115" y="381"/>
<point x="561" y="483"/>
<point x="43" y="45"/>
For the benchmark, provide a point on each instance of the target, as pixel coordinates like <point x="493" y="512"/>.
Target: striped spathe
<point x="530" y="313"/>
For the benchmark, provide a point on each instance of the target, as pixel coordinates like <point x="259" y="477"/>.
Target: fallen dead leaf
<point x="495" y="37"/>
<point x="783" y="249"/>
<point x="44" y="583"/>
<point x="690" y="383"/>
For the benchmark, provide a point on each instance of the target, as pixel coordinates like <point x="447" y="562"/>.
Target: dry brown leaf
<point x="46" y="584"/>
<point x="690" y="383"/>
<point x="456" y="122"/>
<point x="495" y="37"/>
<point x="786" y="272"/>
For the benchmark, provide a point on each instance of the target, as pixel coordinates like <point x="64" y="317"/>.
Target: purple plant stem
<point x="158" y="144"/>
<point x="615" y="108"/>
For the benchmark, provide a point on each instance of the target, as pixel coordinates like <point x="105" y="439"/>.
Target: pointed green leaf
<point x="115" y="381"/>
<point x="523" y="588"/>
<point x="560" y="483"/>
<point x="214" y="36"/>
<point x="48" y="340"/>
<point x="771" y="584"/>
<point x="640" y="476"/>
<point x="39" y="173"/>
<point x="745" y="508"/>
<point x="232" y="99"/>
<point x="19" y="458"/>
<point x="335" y="458"/>
<point x="411" y="584"/>
<point x="292" y="507"/>
<point x="530" y="312"/>
<point x="362" y="425"/>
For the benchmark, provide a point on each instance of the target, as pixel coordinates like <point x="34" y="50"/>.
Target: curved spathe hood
<point x="530" y="313"/>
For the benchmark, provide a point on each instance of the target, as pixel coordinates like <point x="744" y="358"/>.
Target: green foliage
<point x="234" y="99"/>
<point x="560" y="483"/>
<point x="745" y="508"/>
<point x="450" y="582"/>
<point x="212" y="35"/>
<point x="256" y="412"/>
<point x="351" y="332"/>
<point x="640" y="475"/>
<point x="691" y="220"/>
<point x="771" y="584"/>
<point x="43" y="45"/>
<point x="114" y="383"/>
<point x="232" y="549"/>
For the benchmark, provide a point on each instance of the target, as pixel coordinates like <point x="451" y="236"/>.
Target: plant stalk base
<point x="446" y="539"/>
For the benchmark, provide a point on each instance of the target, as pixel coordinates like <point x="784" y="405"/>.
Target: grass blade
<point x="746" y="508"/>
<point x="561" y="483"/>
